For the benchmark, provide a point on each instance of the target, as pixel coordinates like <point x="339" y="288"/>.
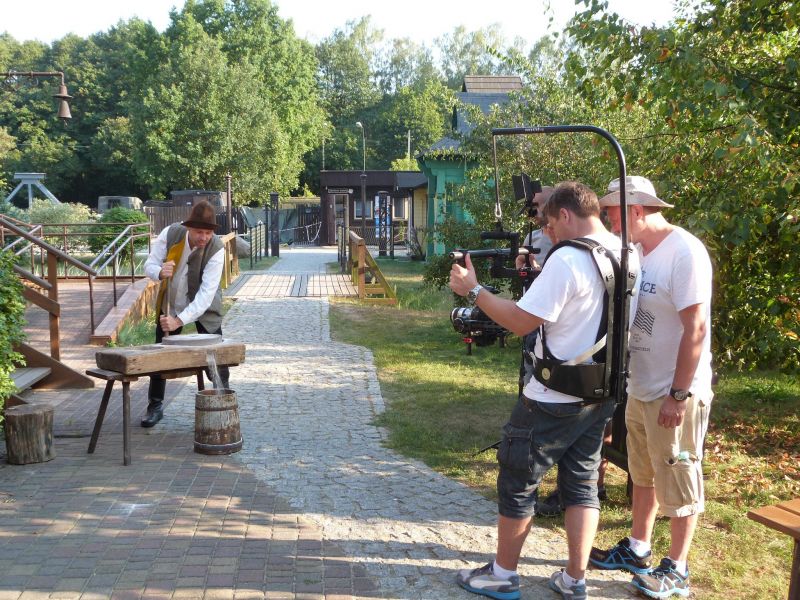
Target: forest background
<point x="707" y="106"/>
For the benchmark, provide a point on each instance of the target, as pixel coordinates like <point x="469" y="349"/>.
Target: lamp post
<point x="363" y="181"/>
<point x="62" y="95"/>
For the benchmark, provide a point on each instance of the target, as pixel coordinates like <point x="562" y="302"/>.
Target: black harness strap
<point x="589" y="381"/>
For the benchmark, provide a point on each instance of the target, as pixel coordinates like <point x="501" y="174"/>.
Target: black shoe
<point x="155" y="412"/>
<point x="621" y="557"/>
<point x="550" y="506"/>
<point x="602" y="494"/>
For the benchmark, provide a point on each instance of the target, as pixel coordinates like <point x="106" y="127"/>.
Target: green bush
<point x="45" y="212"/>
<point x="122" y="216"/>
<point x="12" y="319"/>
<point x="6" y="208"/>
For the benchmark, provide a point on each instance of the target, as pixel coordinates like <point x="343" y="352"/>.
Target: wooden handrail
<point x="49" y="247"/>
<point x="361" y="261"/>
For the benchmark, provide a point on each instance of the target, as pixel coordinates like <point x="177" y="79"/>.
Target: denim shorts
<point x="540" y="435"/>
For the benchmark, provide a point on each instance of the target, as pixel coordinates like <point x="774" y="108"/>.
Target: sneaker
<point x="621" y="557"/>
<point x="550" y="506"/>
<point x="572" y="592"/>
<point x="663" y="581"/>
<point x="483" y="581"/>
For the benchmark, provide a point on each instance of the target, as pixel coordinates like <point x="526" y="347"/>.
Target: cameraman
<point x="541" y="240"/>
<point x="548" y="427"/>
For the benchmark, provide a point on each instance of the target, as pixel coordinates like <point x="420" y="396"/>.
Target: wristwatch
<point x="472" y="295"/>
<point x="679" y="395"/>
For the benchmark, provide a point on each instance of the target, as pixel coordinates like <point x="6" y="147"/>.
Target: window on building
<point x="400" y="208"/>
<point x="339" y="202"/>
<point x="357" y="210"/>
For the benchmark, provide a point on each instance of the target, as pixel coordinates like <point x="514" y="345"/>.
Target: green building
<point x="444" y="163"/>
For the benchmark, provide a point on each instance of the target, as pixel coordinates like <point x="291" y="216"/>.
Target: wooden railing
<point x="48" y="283"/>
<point x="361" y="264"/>
<point x="231" y="270"/>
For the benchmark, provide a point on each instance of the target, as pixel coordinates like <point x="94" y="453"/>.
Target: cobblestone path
<point x="306" y="405"/>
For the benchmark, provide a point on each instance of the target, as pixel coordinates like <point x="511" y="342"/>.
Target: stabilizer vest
<point x="176" y="240"/>
<point x="592" y="381"/>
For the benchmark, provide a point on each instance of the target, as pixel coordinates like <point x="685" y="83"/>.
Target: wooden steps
<point x="26" y="377"/>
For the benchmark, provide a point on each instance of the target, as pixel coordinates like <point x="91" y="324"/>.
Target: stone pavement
<point x="314" y="506"/>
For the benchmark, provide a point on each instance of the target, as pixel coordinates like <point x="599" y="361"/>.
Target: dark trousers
<point x="158" y="385"/>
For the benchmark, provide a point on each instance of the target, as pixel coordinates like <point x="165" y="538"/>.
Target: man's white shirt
<point x="187" y="312"/>
<point x="568" y="295"/>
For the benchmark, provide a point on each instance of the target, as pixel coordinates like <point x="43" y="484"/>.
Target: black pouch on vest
<point x="584" y="381"/>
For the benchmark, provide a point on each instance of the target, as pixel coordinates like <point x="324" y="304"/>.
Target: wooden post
<point x="29" y="433"/>
<point x="362" y="267"/>
<point x="52" y="293"/>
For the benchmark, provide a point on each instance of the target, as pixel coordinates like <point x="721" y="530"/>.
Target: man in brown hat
<point x="187" y="258"/>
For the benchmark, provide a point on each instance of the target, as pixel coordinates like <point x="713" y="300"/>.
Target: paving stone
<point x="313" y="506"/>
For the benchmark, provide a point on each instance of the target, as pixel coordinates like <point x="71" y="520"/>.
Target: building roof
<point x="488" y="84"/>
<point x="388" y="179"/>
<point x="484" y="101"/>
<point x="483" y="91"/>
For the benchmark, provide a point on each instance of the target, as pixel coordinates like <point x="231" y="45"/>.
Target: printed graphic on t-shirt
<point x="644" y="320"/>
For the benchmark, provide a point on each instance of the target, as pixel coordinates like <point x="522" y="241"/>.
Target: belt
<point x="531" y="404"/>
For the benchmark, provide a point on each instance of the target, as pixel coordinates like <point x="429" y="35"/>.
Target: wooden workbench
<point x="168" y="362"/>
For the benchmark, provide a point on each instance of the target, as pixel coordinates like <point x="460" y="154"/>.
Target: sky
<point x="420" y="20"/>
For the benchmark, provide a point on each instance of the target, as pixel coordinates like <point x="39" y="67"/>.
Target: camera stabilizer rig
<point x="617" y="368"/>
<point x="472" y="322"/>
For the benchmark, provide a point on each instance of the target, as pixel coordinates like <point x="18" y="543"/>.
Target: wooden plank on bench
<point x="792" y="506"/>
<point x="152" y="358"/>
<point x="777" y="518"/>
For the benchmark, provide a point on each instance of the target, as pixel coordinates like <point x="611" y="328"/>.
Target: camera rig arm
<point x="620" y="341"/>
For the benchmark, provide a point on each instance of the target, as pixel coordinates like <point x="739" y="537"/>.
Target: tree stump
<point x="29" y="433"/>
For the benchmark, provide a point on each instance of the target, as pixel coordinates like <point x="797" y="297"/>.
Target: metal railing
<point x="124" y="242"/>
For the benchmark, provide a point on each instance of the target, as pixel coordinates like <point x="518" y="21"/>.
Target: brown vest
<point x="176" y="236"/>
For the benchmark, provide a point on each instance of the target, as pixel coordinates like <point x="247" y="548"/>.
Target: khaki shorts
<point x="668" y="459"/>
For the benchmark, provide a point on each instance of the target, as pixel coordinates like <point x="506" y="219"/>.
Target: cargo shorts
<point x="668" y="459"/>
<point x="541" y="434"/>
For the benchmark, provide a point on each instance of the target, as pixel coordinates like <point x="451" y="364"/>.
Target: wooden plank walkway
<point x="301" y="285"/>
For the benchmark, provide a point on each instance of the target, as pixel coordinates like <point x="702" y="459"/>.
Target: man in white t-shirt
<point x="669" y="390"/>
<point x="548" y="427"/>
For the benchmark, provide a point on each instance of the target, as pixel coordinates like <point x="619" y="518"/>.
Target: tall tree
<point x="471" y="53"/>
<point x="723" y="82"/>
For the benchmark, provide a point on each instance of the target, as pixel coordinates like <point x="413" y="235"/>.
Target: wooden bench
<point x="129" y="364"/>
<point x="784" y="517"/>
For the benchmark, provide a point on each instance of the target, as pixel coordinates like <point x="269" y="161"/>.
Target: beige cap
<point x="638" y="190"/>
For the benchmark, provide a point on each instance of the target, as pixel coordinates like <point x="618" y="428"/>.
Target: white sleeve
<point x="158" y="252"/>
<point x="212" y="274"/>
<point x="551" y="290"/>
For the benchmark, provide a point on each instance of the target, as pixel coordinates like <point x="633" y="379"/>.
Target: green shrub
<point x="6" y="208"/>
<point x="44" y="212"/>
<point x="12" y="319"/>
<point x="109" y="232"/>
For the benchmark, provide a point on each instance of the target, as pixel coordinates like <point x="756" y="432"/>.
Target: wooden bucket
<point x="216" y="422"/>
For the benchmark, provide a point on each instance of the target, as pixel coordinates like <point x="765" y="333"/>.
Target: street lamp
<point x="62" y="95"/>
<point x="363" y="181"/>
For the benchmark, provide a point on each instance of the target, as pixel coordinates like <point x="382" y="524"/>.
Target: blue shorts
<point x="541" y="434"/>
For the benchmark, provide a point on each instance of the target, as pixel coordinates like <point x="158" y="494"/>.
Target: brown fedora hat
<point x="203" y="216"/>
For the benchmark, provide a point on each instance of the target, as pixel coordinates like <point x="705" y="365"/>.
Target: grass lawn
<point x="261" y="265"/>
<point x="443" y="406"/>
